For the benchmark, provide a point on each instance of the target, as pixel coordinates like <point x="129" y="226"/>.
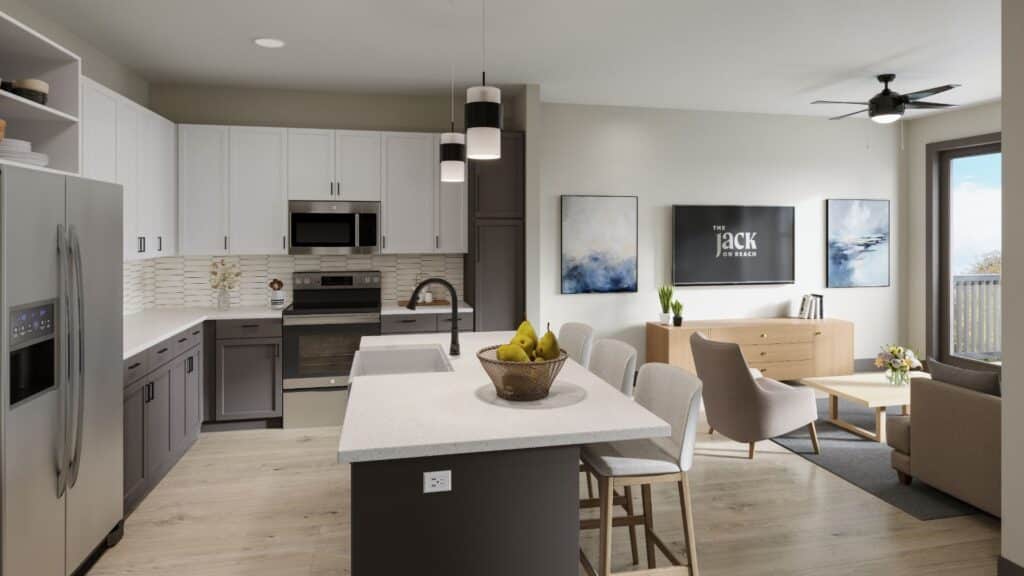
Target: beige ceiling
<point x="770" y="56"/>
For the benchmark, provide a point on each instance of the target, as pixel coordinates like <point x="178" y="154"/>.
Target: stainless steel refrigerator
<point x="62" y="428"/>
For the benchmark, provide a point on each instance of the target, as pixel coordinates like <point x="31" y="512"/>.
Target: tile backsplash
<point x="184" y="280"/>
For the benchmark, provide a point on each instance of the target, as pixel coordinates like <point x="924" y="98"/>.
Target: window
<point x="965" y="252"/>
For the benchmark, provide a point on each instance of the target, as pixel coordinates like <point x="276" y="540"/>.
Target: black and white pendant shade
<point x="453" y="157"/>
<point x="483" y="123"/>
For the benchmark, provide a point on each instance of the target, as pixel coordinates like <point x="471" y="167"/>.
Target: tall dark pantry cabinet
<point x="495" y="268"/>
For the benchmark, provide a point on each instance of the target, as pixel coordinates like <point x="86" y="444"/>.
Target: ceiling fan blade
<point x="928" y="105"/>
<point x="847" y="115"/>
<point x="839" y="102"/>
<point x="920" y="94"/>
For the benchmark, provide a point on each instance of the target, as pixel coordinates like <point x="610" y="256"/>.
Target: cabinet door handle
<point x="161" y="351"/>
<point x="141" y="244"/>
<point x="134" y="366"/>
<point x="225" y="242"/>
<point x="408" y="321"/>
<point x="384" y="240"/>
<point x="250" y="325"/>
<point x="189" y="364"/>
<point x="437" y="242"/>
<point x="159" y="243"/>
<point x="185" y="339"/>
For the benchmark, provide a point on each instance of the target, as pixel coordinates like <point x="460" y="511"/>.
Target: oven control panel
<point x="335" y="280"/>
<point x="31" y="323"/>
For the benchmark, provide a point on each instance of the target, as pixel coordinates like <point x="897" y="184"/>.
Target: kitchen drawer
<point x="784" y="370"/>
<point x="444" y="322"/>
<point x="161" y="353"/>
<point x="136" y="367"/>
<point x="777" y="352"/>
<point x="264" y="328"/>
<point x="187" y="339"/>
<point x="408" y="323"/>
<point x="764" y="334"/>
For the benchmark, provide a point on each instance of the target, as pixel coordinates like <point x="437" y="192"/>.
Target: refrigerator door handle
<point x="76" y="252"/>
<point x="64" y="338"/>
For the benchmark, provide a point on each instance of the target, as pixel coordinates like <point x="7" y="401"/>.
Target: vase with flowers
<point x="898" y="361"/>
<point x="223" y="278"/>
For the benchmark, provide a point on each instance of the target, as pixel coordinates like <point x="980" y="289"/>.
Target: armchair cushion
<point x="977" y="380"/>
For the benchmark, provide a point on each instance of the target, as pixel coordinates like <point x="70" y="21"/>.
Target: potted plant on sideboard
<point x="677" y="313"/>
<point x="665" y="298"/>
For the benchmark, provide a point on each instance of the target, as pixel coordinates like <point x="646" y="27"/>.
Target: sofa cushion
<point x="977" y="380"/>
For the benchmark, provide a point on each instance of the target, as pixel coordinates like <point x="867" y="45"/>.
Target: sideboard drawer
<point x="777" y="352"/>
<point x="784" y="370"/>
<point x="763" y="334"/>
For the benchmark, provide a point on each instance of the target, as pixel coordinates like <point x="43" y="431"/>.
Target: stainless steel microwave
<point x="333" y="227"/>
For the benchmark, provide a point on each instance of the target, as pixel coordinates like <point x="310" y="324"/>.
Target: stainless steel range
<point x="330" y="313"/>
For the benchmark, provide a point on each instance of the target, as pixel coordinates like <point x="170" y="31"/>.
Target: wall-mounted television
<point x="714" y="245"/>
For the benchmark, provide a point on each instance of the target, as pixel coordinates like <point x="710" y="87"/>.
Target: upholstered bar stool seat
<point x="630" y="458"/>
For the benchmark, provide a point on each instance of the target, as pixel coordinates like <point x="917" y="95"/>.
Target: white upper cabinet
<point x="168" y="187"/>
<point x="311" y="165"/>
<point x="128" y="177"/>
<point x="203" y="189"/>
<point x="157" y="190"/>
<point x="452" y="218"/>
<point x="357" y="165"/>
<point x="258" y="200"/>
<point x="409" y="193"/>
<point x="99" y="132"/>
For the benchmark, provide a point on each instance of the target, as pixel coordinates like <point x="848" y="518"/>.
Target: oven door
<point x="319" y="349"/>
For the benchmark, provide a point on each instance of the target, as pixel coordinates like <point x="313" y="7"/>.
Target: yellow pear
<point x="547" y="348"/>
<point x="512" y="353"/>
<point x="527" y="330"/>
<point x="525" y="342"/>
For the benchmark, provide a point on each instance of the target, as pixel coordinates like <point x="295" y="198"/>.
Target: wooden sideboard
<point x="781" y="348"/>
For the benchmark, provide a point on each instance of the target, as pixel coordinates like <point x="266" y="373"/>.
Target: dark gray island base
<point x="509" y="513"/>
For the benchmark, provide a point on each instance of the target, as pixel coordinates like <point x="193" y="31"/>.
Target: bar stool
<point x="577" y="339"/>
<point x="675" y="396"/>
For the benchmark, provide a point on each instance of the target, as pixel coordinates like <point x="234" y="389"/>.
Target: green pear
<point x="527" y="330"/>
<point x="512" y="353"/>
<point x="547" y="348"/>
<point x="525" y="342"/>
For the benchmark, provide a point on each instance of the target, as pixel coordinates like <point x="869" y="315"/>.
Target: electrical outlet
<point x="437" y="481"/>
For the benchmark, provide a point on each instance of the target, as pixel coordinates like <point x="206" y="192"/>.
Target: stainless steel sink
<point x="400" y="360"/>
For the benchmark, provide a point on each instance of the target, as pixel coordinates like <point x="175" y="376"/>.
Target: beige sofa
<point x="954" y="443"/>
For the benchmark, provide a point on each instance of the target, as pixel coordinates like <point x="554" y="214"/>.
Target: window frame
<point x="939" y="156"/>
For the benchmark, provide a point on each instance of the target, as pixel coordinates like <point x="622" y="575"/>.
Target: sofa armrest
<point x="897" y="430"/>
<point x="956" y="442"/>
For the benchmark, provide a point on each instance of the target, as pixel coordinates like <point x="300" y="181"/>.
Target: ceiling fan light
<point x="886" y="118"/>
<point x="453" y="157"/>
<point x="483" y="123"/>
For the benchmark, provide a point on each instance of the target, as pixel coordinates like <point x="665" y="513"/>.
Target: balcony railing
<point x="977" y="317"/>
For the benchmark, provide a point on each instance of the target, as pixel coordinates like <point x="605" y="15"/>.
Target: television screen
<point x="732" y="245"/>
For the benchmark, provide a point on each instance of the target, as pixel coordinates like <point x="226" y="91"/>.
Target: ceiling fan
<point x="888" y="106"/>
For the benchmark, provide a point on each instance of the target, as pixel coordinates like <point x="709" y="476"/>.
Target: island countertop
<point x="432" y="414"/>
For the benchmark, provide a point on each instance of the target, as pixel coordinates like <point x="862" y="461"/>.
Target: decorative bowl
<point x="521" y="381"/>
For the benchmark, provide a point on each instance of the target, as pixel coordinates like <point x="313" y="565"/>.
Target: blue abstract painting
<point x="858" y="243"/>
<point x="599" y="244"/>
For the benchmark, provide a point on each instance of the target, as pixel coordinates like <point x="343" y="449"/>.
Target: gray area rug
<point x="865" y="464"/>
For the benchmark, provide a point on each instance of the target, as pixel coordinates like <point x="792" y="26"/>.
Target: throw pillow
<point x="977" y="380"/>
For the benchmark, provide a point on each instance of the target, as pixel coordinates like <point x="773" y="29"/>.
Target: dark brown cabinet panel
<point x="498" y="271"/>
<point x="179" y="440"/>
<point x="159" y="451"/>
<point x="248" y="378"/>
<point x="497" y="187"/>
<point x="135" y="470"/>
<point x="193" y="395"/>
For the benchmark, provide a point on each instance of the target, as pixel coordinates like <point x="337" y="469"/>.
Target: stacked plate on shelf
<point x="21" y="151"/>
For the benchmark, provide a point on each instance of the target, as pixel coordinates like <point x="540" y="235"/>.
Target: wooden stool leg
<point x="750" y="454"/>
<point x="711" y="431"/>
<point x="604" y="489"/>
<point x="590" y="485"/>
<point x="628" y="492"/>
<point x="687" y="506"/>
<point x="645" y="493"/>
<point x="814" y="438"/>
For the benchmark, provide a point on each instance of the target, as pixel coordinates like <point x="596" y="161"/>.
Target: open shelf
<point x="52" y="128"/>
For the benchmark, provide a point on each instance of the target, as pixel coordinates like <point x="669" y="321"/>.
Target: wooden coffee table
<point x="870" y="389"/>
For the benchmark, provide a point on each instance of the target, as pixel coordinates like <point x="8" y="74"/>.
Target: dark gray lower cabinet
<point x="162" y="416"/>
<point x="248" y="378"/>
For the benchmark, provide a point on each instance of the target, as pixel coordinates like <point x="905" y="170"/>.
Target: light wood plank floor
<point x="274" y="502"/>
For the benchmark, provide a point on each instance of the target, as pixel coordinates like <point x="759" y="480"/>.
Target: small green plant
<point x="665" y="297"/>
<point x="677" y="308"/>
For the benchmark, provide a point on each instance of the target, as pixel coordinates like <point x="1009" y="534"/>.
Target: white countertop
<point x="145" y="329"/>
<point x="392" y="308"/>
<point x="416" y="415"/>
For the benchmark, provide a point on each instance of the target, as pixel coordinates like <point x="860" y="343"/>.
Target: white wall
<point x="677" y="157"/>
<point x="960" y="123"/>
<point x="1013" y="282"/>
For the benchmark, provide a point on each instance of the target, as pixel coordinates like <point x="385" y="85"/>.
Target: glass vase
<point x="897" y="377"/>
<point x="223" y="298"/>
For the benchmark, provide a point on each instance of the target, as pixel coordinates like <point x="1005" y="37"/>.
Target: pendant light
<point x="483" y="108"/>
<point x="453" y="147"/>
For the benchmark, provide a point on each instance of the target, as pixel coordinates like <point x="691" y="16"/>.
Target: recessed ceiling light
<point x="269" y="42"/>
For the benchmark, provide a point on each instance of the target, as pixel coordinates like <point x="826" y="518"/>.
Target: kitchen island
<point x="506" y="474"/>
